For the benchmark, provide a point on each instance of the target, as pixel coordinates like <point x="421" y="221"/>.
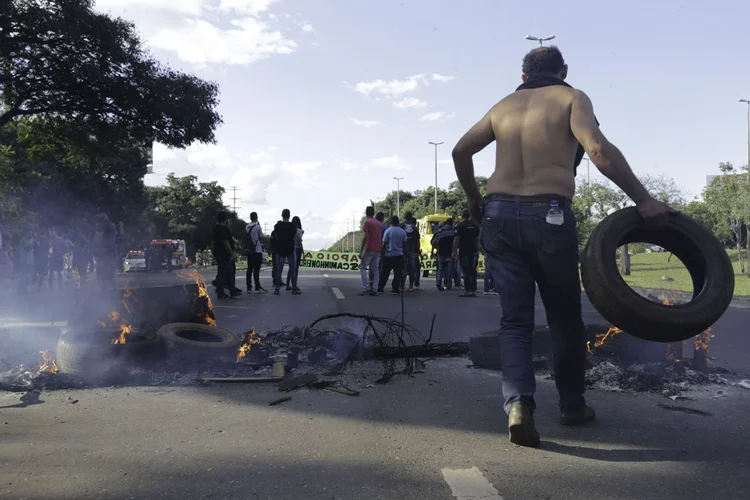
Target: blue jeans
<point x="291" y="260"/>
<point x="522" y="249"/>
<point x="371" y="261"/>
<point x="469" y="267"/>
<point x="444" y="273"/>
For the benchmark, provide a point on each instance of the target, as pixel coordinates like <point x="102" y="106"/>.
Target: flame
<point x="674" y="351"/>
<point x="702" y="340"/>
<point x="48" y="364"/>
<point x="250" y="340"/>
<point x="125" y="330"/>
<point x="207" y="306"/>
<point x="601" y="338"/>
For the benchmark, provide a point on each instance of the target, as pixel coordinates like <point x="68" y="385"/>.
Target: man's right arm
<point x="611" y="162"/>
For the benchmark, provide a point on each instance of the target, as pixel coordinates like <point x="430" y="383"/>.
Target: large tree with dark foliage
<point x="62" y="59"/>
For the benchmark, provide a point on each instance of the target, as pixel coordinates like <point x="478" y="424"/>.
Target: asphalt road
<point x="438" y="435"/>
<point x="326" y="292"/>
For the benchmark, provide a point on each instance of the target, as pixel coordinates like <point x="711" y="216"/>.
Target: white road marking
<point x="338" y="293"/>
<point x="326" y="276"/>
<point x="31" y="325"/>
<point x="470" y="484"/>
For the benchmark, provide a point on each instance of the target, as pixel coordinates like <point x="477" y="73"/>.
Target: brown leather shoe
<point x="521" y="428"/>
<point x="579" y="417"/>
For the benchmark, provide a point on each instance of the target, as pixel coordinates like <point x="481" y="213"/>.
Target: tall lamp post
<point x="436" y="144"/>
<point x="346" y="237"/>
<point x="398" y="196"/>
<point x="746" y="101"/>
<point x="354" y="230"/>
<point x="588" y="169"/>
<point x="541" y="40"/>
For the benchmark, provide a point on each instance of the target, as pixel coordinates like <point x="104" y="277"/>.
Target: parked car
<point x="135" y="261"/>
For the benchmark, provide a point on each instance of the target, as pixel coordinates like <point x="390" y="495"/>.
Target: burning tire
<point x="91" y="355"/>
<point x="703" y="255"/>
<point x="195" y="343"/>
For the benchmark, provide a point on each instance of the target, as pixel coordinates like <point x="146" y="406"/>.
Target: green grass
<point x="647" y="269"/>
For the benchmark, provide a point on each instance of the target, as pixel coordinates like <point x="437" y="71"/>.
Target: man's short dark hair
<point x="394" y="220"/>
<point x="408" y="216"/>
<point x="222" y="216"/>
<point x="449" y="221"/>
<point x="465" y="213"/>
<point x="543" y="60"/>
<point x="370" y="211"/>
<point x="253" y="216"/>
<point x="285" y="214"/>
<point x="380" y="216"/>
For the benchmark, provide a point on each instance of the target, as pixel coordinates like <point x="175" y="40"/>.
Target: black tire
<point x="90" y="355"/>
<point x="690" y="241"/>
<point x="196" y="343"/>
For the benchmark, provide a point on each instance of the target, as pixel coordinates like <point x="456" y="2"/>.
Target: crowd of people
<point x="388" y="248"/>
<point x="285" y="244"/>
<point x="47" y="256"/>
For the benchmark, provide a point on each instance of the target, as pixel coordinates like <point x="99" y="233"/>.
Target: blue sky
<point x="325" y="101"/>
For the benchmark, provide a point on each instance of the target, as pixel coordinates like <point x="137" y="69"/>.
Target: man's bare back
<point x="535" y="146"/>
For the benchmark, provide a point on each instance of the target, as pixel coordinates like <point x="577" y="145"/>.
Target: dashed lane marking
<point x="326" y="276"/>
<point x="338" y="293"/>
<point x="470" y="484"/>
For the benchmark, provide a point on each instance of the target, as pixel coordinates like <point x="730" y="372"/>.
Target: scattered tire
<point x="192" y="343"/>
<point x="703" y="255"/>
<point x="90" y="355"/>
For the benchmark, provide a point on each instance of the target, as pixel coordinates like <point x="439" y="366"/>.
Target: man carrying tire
<point x="529" y="231"/>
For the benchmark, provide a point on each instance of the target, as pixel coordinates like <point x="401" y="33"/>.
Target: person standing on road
<point x="465" y="250"/>
<point x="411" y="252"/>
<point x="442" y="243"/>
<point x="286" y="232"/>
<point x="58" y="249"/>
<point x="393" y="249"/>
<point x="224" y="255"/>
<point x="254" y="253"/>
<point x="369" y="253"/>
<point x="298" y="250"/>
<point x="529" y="235"/>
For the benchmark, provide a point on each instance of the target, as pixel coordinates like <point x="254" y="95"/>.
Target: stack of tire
<point x="690" y="241"/>
<point x="90" y="354"/>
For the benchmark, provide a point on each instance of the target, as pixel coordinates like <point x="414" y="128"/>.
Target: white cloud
<point x="347" y="165"/>
<point x="249" y="7"/>
<point x="300" y="169"/>
<point x="442" y="78"/>
<point x="396" y="90"/>
<point x="205" y="31"/>
<point x="254" y="175"/>
<point x="410" y="102"/>
<point x="365" y="123"/>
<point x="198" y="41"/>
<point x="392" y="88"/>
<point x="307" y="27"/>
<point x="394" y="162"/>
<point x="437" y="116"/>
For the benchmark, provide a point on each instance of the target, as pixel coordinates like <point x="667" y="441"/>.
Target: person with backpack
<point x="253" y="250"/>
<point x="411" y="253"/>
<point x="298" y="250"/>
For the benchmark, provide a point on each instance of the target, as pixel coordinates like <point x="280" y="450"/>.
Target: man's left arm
<point x="475" y="140"/>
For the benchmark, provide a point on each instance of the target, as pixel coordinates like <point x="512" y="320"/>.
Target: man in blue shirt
<point x="393" y="251"/>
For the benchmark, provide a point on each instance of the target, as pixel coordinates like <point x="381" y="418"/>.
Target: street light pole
<point x="398" y="196"/>
<point x="588" y="169"/>
<point x="354" y="230"/>
<point x="746" y="101"/>
<point x="346" y="237"/>
<point x="541" y="40"/>
<point x="436" y="144"/>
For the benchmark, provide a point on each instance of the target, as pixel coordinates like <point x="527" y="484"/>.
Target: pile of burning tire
<point x="690" y="241"/>
<point x="91" y="354"/>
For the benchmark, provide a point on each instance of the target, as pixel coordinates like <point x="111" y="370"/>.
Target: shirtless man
<point x="541" y="131"/>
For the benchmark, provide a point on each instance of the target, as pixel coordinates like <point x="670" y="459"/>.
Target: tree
<point x="728" y="199"/>
<point x="601" y="198"/>
<point x="62" y="59"/>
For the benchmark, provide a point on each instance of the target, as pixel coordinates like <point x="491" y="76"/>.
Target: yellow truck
<point x="428" y="226"/>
